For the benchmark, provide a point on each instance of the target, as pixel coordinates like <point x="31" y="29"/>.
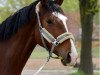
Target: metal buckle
<point x="55" y="43"/>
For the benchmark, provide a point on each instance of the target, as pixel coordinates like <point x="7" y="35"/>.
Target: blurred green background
<point x="8" y="7"/>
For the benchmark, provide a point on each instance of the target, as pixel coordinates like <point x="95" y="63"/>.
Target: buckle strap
<point x="61" y="38"/>
<point x="49" y="37"/>
<point x="64" y="37"/>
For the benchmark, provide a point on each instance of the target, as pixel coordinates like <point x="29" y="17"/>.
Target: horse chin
<point x="66" y="64"/>
<point x="67" y="61"/>
<point x="63" y="62"/>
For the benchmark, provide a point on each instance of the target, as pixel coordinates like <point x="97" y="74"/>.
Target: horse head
<point x="52" y="25"/>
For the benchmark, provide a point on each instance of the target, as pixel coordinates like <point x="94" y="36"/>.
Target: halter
<point x="50" y="38"/>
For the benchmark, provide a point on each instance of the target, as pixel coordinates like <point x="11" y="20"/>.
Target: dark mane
<point x="51" y="6"/>
<point x="13" y="23"/>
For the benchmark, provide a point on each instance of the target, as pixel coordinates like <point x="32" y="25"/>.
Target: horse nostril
<point x="68" y="58"/>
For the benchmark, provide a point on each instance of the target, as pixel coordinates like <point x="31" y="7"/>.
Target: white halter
<point x="50" y="38"/>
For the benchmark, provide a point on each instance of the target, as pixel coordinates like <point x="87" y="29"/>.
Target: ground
<point x="53" y="67"/>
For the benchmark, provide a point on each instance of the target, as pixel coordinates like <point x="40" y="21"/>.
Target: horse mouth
<point x="66" y="61"/>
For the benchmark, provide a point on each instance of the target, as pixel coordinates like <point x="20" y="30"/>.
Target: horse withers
<point x="42" y="22"/>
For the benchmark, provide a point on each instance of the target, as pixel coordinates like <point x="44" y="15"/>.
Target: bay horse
<point x="42" y="22"/>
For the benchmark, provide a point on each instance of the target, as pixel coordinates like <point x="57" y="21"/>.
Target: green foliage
<point x="90" y="6"/>
<point x="42" y="53"/>
<point x="96" y="18"/>
<point x="8" y="7"/>
<point x="78" y="73"/>
<point x="4" y="14"/>
<point x="70" y="5"/>
<point x="81" y="73"/>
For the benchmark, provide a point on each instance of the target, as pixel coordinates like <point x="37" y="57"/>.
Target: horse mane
<point x="13" y="23"/>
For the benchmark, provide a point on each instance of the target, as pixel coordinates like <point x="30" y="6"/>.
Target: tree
<point x="88" y="9"/>
<point x="8" y="7"/>
<point x="70" y="5"/>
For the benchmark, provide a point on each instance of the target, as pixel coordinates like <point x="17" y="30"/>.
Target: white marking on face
<point x="73" y="54"/>
<point x="62" y="18"/>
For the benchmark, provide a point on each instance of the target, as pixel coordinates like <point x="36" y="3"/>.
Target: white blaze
<point x="73" y="54"/>
<point x="62" y="18"/>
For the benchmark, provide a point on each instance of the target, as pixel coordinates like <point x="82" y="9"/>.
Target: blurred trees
<point x="70" y="5"/>
<point x="88" y="9"/>
<point x="8" y="7"/>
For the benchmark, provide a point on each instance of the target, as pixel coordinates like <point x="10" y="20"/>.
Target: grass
<point x="96" y="73"/>
<point x="95" y="48"/>
<point x="95" y="52"/>
<point x="41" y="53"/>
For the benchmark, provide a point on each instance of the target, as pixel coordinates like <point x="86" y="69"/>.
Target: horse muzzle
<point x="69" y="60"/>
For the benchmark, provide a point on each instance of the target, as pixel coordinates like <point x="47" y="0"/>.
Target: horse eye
<point x="49" y="21"/>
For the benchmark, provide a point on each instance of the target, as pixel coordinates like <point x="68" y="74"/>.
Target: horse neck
<point x="17" y="50"/>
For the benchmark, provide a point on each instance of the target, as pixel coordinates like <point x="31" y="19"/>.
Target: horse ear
<point x="43" y="2"/>
<point x="59" y="2"/>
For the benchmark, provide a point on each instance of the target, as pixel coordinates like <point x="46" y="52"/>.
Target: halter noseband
<point x="49" y="37"/>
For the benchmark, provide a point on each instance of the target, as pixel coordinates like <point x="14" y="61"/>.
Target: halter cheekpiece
<point x="49" y="37"/>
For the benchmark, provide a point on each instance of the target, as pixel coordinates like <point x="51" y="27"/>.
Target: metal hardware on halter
<point x="56" y="43"/>
<point x="60" y="39"/>
<point x="50" y="38"/>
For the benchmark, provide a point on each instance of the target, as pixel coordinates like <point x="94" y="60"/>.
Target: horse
<point x="42" y="22"/>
